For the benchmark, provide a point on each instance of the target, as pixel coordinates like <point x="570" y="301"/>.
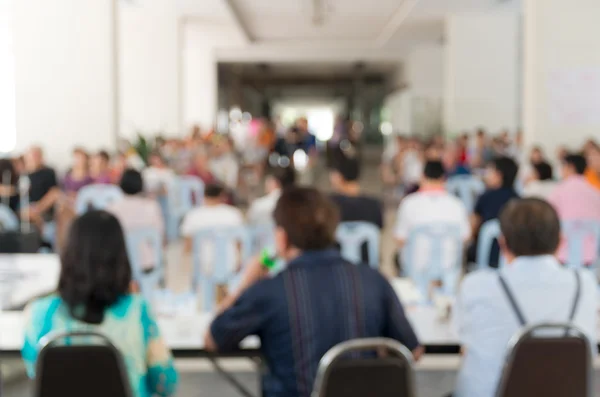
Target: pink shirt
<point x="135" y="212"/>
<point x="576" y="199"/>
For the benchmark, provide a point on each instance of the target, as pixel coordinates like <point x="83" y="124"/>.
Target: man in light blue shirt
<point x="542" y="291"/>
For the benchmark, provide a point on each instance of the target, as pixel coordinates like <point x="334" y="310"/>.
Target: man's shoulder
<point x="479" y="282"/>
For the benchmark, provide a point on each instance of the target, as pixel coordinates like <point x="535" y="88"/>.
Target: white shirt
<point x="544" y="291"/>
<point x="155" y="179"/>
<point x="225" y="168"/>
<point x="261" y="209"/>
<point x="539" y="189"/>
<point x="213" y="216"/>
<point x="428" y="208"/>
<point x="412" y="168"/>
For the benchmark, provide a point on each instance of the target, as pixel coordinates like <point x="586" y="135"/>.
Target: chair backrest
<point x="352" y="235"/>
<point x="550" y="360"/>
<point x="391" y="376"/>
<point x="488" y="233"/>
<point x="423" y="267"/>
<point x="191" y="190"/>
<point x="183" y="192"/>
<point x="263" y="236"/>
<point x="8" y="219"/>
<point x="98" y="196"/>
<point x="578" y="233"/>
<point x="92" y="368"/>
<point x="145" y="240"/>
<point x="467" y="188"/>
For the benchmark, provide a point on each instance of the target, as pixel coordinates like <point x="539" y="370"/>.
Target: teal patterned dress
<point x="130" y="327"/>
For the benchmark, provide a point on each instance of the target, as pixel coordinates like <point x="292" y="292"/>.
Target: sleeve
<point x="246" y="317"/>
<point x="397" y="325"/>
<point x="402" y="222"/>
<point x="52" y="180"/>
<point x="161" y="377"/>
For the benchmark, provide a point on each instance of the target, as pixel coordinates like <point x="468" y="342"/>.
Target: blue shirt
<point x="544" y="291"/>
<point x="318" y="301"/>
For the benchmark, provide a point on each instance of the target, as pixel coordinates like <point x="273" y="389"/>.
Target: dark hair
<point x="95" y="270"/>
<point x="6" y="165"/>
<point x="80" y="150"/>
<point x="434" y="170"/>
<point x="508" y="168"/>
<point x="131" y="182"/>
<point x="530" y="227"/>
<point x="544" y="170"/>
<point x="308" y="218"/>
<point x="577" y="161"/>
<point x="285" y="176"/>
<point x="213" y="190"/>
<point x="348" y="168"/>
<point x="103" y="154"/>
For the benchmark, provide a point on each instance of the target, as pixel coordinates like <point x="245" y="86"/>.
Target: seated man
<point x="542" y="290"/>
<point x="43" y="190"/>
<point x="261" y="209"/>
<point x="318" y="301"/>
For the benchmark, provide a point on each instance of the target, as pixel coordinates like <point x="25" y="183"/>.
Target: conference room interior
<point x="189" y="83"/>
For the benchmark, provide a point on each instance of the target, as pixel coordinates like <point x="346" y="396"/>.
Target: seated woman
<point x="94" y="294"/>
<point x="78" y="176"/>
<point x="99" y="167"/>
<point x="9" y="180"/>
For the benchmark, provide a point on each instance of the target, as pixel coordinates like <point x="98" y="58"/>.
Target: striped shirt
<point x="319" y="301"/>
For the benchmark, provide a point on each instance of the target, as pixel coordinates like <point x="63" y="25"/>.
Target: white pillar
<point x="561" y="72"/>
<point x="65" y="87"/>
<point x="149" y="66"/>
<point x="482" y="72"/>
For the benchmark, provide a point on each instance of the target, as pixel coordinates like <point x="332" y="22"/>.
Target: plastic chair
<point x="8" y="219"/>
<point x="93" y="368"/>
<point x="263" y="237"/>
<point x="220" y="241"/>
<point x="183" y="193"/>
<point x="467" y="188"/>
<point x="98" y="196"/>
<point x="352" y="235"/>
<point x="489" y="232"/>
<point x="577" y="232"/>
<point x="136" y="241"/>
<point x="436" y="235"/>
<point x="528" y="371"/>
<point x="340" y="375"/>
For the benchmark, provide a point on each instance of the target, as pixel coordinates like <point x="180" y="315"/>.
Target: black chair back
<point x="550" y="360"/>
<point x="93" y="369"/>
<point x="343" y="372"/>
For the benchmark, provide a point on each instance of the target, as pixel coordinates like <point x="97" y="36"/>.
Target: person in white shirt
<point x="493" y="305"/>
<point x="158" y="175"/>
<point x="431" y="205"/>
<point x="224" y="166"/>
<point x="541" y="183"/>
<point x="213" y="214"/>
<point x="261" y="209"/>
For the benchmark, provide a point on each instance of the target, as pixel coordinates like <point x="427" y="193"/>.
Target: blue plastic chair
<point x="489" y="232"/>
<point x="467" y="188"/>
<point x="576" y="233"/>
<point x="221" y="239"/>
<point x="181" y="193"/>
<point x="98" y="196"/>
<point x="8" y="219"/>
<point x="352" y="235"/>
<point x="263" y="237"/>
<point x="431" y="270"/>
<point x="136" y="239"/>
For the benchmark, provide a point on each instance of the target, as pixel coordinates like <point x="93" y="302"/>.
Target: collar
<point x="316" y="258"/>
<point x="432" y="189"/>
<point x="534" y="264"/>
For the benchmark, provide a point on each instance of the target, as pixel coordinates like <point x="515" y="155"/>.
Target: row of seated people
<point x="318" y="300"/>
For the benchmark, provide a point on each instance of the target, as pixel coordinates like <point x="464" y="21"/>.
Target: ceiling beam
<point x="235" y="16"/>
<point x="397" y="20"/>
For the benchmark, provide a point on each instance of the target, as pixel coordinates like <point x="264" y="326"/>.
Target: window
<point x="8" y="128"/>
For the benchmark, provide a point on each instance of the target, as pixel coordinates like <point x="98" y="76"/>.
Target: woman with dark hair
<point x="94" y="295"/>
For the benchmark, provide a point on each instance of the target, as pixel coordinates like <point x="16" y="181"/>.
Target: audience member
<point x="575" y="199"/>
<point x="541" y="183"/>
<point x="482" y="153"/>
<point x="79" y="174"/>
<point x="157" y="176"/>
<point x="135" y="211"/>
<point x="592" y="155"/>
<point x="43" y="190"/>
<point x="534" y="288"/>
<point x="99" y="167"/>
<point x="9" y="185"/>
<point x="200" y="167"/>
<point x="277" y="179"/>
<point x="94" y="295"/>
<point x="224" y="165"/>
<point x="431" y="205"/>
<point x="318" y="301"/>
<point x="452" y="164"/>
<point x="500" y="179"/>
<point x="117" y="168"/>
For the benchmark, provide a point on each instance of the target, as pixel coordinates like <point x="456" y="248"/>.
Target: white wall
<point x="425" y="71"/>
<point x="398" y="105"/>
<point x="149" y="68"/>
<point x="561" y="39"/>
<point x="64" y="75"/>
<point x="481" y="71"/>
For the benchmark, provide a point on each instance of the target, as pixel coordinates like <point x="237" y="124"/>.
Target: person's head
<point x="501" y="173"/>
<point x="34" y="158"/>
<point x="156" y="160"/>
<point x="542" y="171"/>
<point x="214" y="194"/>
<point x="529" y="227"/>
<point x="302" y="124"/>
<point x="8" y="173"/>
<point x="95" y="269"/>
<point x="80" y="159"/>
<point x="573" y="164"/>
<point x="346" y="171"/>
<point x="592" y="156"/>
<point x="99" y="163"/>
<point x="536" y="155"/>
<point x="280" y="178"/>
<point x="305" y="220"/>
<point x="131" y="182"/>
<point x="433" y="173"/>
<point x="434" y="151"/>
